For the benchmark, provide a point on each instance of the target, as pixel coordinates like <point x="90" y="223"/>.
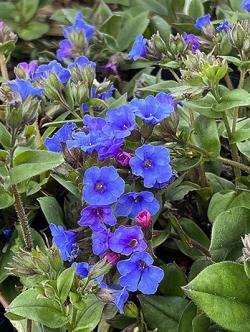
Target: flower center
<point x="147" y="163"/>
<point x="143" y="265"/>
<point x="133" y="243"/>
<point x="99" y="186"/>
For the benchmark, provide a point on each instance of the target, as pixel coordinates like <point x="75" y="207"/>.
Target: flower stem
<point x="3" y="67"/>
<point x="22" y="219"/>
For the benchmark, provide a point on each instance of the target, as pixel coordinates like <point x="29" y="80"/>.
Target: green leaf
<point x="89" y="317"/>
<point x="31" y="305"/>
<point x="244" y="148"/>
<point x="162" y="26"/>
<point x="7" y="11"/>
<point x="64" y="282"/>
<point x="6" y="199"/>
<point x="235" y="4"/>
<point x="187" y="317"/>
<point x="28" y="9"/>
<point x="223" y="285"/>
<point x="120" y="2"/>
<point x="232" y="99"/>
<point x="5" y="137"/>
<point x="206" y="135"/>
<point x="162" y="313"/>
<point x="196" y="9"/>
<point x="132" y="27"/>
<point x="219" y="203"/>
<point x="33" y="162"/>
<point x="180" y="191"/>
<point x="33" y="30"/>
<point x="118" y="102"/>
<point x="227" y="231"/>
<point x="197" y="266"/>
<point x="52" y="210"/>
<point x="173" y="280"/>
<point x="200" y="323"/>
<point x="185" y="163"/>
<point x="196" y="233"/>
<point x="242" y="131"/>
<point x="70" y="186"/>
<point x="218" y="183"/>
<point x="112" y="25"/>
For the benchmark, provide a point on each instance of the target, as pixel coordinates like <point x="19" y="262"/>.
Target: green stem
<point x="174" y="74"/>
<point x="3" y="67"/>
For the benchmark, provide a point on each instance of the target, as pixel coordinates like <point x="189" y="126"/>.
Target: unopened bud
<point x="131" y="310"/>
<point x="123" y="158"/>
<point x="112" y="258"/>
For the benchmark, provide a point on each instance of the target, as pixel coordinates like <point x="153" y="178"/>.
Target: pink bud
<point x="112" y="258"/>
<point x="2" y="24"/>
<point x="144" y="219"/>
<point x="123" y="158"/>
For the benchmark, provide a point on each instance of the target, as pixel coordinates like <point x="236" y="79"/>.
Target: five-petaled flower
<point x="152" y="163"/>
<point x="138" y="273"/>
<point x="95" y="216"/>
<point x="102" y="185"/>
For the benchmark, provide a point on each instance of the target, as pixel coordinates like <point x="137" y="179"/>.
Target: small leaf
<point x="187" y="317"/>
<point x="64" y="282"/>
<point x="6" y="199"/>
<point x="227" y="231"/>
<point x="196" y="9"/>
<point x="52" y="210"/>
<point x="162" y="312"/>
<point x="45" y="311"/>
<point x="70" y="186"/>
<point x="223" y="285"/>
<point x="5" y="137"/>
<point x="33" y="30"/>
<point x="28" y="9"/>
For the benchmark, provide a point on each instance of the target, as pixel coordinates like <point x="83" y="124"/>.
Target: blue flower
<point x="107" y="94"/>
<point x="138" y="273"/>
<point x="245" y="5"/>
<point x="100" y="241"/>
<point x="93" y="123"/>
<point x="24" y="88"/>
<point x="121" y="121"/>
<point x="6" y="232"/>
<point x="151" y="110"/>
<point x="167" y="98"/>
<point x="151" y="163"/>
<point x="65" y="50"/>
<point x="110" y="148"/>
<point x="193" y="40"/>
<point x="102" y="185"/>
<point x="95" y="215"/>
<point x="139" y="48"/>
<point x="202" y="21"/>
<point x="86" y="142"/>
<point x="81" y="62"/>
<point x="64" y="240"/>
<point x="126" y="240"/>
<point x="120" y="297"/>
<point x="224" y="26"/>
<point x="80" y="25"/>
<point x="82" y="269"/>
<point x="61" y="136"/>
<point x="44" y="71"/>
<point x="130" y="204"/>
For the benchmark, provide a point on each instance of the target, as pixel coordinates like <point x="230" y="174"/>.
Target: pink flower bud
<point x="112" y="258"/>
<point x="123" y="158"/>
<point x="2" y="24"/>
<point x="144" y="219"/>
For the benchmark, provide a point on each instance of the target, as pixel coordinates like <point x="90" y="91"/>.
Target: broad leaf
<point x="64" y="282"/>
<point x="196" y="9"/>
<point x="162" y="313"/>
<point x="227" y="231"/>
<point x="31" y="305"/>
<point x="52" y="210"/>
<point x="223" y="285"/>
<point x="174" y="279"/>
<point x="232" y="99"/>
<point x="33" y="30"/>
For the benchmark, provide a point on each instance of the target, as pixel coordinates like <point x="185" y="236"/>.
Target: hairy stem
<point x="3" y="67"/>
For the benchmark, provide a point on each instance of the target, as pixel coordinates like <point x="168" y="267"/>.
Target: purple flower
<point x="107" y="94"/>
<point x="192" y="40"/>
<point x="65" y="50"/>
<point x="81" y="62"/>
<point x="2" y="24"/>
<point x="130" y="204"/>
<point x="82" y="269"/>
<point x="100" y="241"/>
<point x="151" y="110"/>
<point x="121" y="121"/>
<point x="95" y="216"/>
<point x="224" y="26"/>
<point x="111" y="66"/>
<point x="64" y="240"/>
<point x="93" y="123"/>
<point x="126" y="240"/>
<point x="120" y="297"/>
<point x="102" y="185"/>
<point x="152" y="163"/>
<point x="167" y="98"/>
<point x="80" y="25"/>
<point x="110" y="148"/>
<point x="61" y="136"/>
<point x="28" y="68"/>
<point x="86" y="142"/>
<point x="202" y="21"/>
<point x="139" y="48"/>
<point x="24" y="88"/>
<point x="44" y="71"/>
<point x="245" y="5"/>
<point x="123" y="158"/>
<point x="138" y="273"/>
